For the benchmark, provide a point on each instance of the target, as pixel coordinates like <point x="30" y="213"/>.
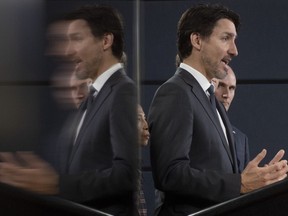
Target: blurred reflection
<point x="60" y="80"/>
<point x="57" y="39"/>
<point x="68" y="89"/>
<point x="144" y="135"/>
<point x="79" y="89"/>
<point x="142" y="127"/>
<point x="97" y="148"/>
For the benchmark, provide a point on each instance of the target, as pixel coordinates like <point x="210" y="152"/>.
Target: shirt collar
<point x="101" y="80"/>
<point x="201" y="79"/>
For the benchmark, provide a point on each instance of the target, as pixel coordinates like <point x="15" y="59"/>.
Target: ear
<point x="195" y="40"/>
<point x="107" y="40"/>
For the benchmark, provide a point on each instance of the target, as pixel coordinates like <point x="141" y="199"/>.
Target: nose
<point x="225" y="93"/>
<point x="145" y="125"/>
<point x="80" y="94"/>
<point x="233" y="49"/>
<point x="69" y="51"/>
<point x="81" y="91"/>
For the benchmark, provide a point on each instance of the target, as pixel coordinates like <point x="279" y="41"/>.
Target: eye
<point x="225" y="38"/>
<point x="221" y="85"/>
<point x="76" y="37"/>
<point x="72" y="88"/>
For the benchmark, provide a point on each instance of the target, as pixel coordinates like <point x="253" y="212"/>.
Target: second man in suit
<point x="224" y="92"/>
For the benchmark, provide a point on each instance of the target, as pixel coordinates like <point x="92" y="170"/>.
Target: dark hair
<point x="102" y="20"/>
<point x="201" y="19"/>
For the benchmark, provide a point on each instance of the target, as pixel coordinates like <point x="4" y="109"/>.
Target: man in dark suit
<point x="99" y="159"/>
<point x="242" y="148"/>
<point x="192" y="148"/>
<point x="225" y="92"/>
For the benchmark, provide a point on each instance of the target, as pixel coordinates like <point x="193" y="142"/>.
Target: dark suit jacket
<point x="99" y="169"/>
<point x="242" y="148"/>
<point x="191" y="161"/>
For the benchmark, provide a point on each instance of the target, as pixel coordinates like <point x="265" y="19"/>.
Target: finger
<point x="9" y="173"/>
<point x="282" y="165"/>
<point x="274" y="177"/>
<point x="272" y="181"/>
<point x="8" y="157"/>
<point x="277" y="169"/>
<point x="31" y="160"/>
<point x="259" y="157"/>
<point x="282" y="177"/>
<point x="12" y="181"/>
<point x="277" y="157"/>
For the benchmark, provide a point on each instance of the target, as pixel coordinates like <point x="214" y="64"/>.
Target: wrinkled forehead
<point x="229" y="80"/>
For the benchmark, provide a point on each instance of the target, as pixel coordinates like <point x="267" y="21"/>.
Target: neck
<point x="105" y="66"/>
<point x="195" y="63"/>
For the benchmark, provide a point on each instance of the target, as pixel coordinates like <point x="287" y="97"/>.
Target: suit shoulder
<point x="121" y="79"/>
<point x="174" y="83"/>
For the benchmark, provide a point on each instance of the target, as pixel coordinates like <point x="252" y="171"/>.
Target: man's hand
<point x="27" y="171"/>
<point x="254" y="177"/>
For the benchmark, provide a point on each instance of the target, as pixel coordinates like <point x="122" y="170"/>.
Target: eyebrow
<point x="223" y="83"/>
<point x="231" y="34"/>
<point x="74" y="34"/>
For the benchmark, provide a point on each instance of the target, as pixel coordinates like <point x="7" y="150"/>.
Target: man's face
<point x="79" y="90"/>
<point x="218" y="49"/>
<point x="225" y="89"/>
<point x="142" y="127"/>
<point x="57" y="40"/>
<point x="85" y="50"/>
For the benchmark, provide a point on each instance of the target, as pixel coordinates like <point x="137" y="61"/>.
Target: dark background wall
<point x="260" y="105"/>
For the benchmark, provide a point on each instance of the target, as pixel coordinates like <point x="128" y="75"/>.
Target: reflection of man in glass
<point x="98" y="158"/>
<point x="142" y="127"/>
<point x="79" y="89"/>
<point x="143" y="134"/>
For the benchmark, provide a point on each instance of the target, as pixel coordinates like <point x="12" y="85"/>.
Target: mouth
<point x="146" y="137"/>
<point x="226" y="60"/>
<point x="77" y="62"/>
<point x="226" y="103"/>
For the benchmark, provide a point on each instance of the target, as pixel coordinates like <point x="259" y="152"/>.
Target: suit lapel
<point x="204" y="101"/>
<point x="229" y="132"/>
<point x="102" y="95"/>
<point x="66" y="140"/>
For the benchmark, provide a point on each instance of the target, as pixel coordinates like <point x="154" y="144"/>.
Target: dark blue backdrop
<point x="260" y="105"/>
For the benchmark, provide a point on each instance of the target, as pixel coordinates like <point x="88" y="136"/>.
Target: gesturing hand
<point x="254" y="177"/>
<point x="32" y="173"/>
